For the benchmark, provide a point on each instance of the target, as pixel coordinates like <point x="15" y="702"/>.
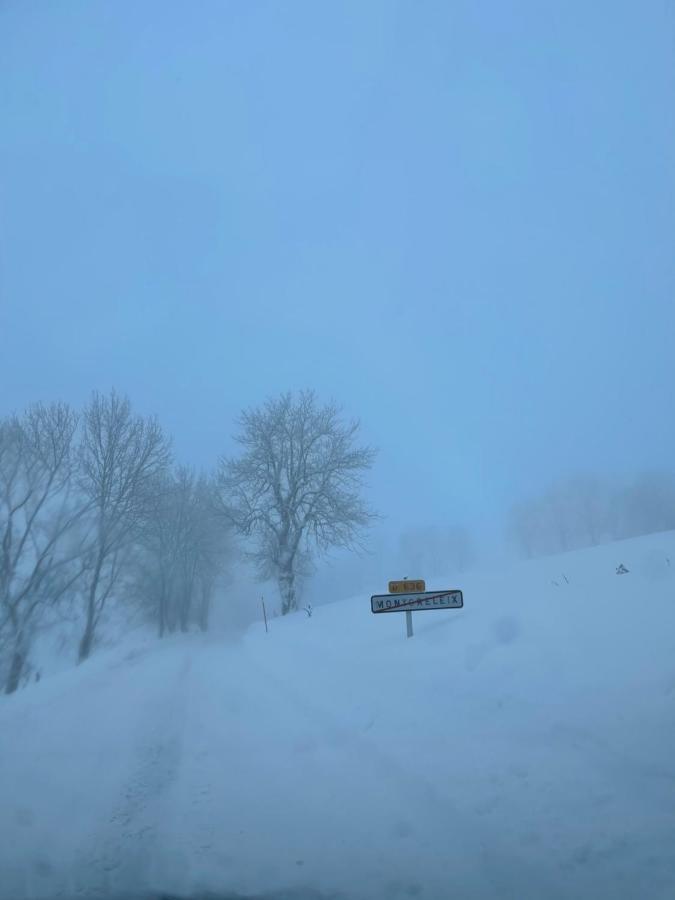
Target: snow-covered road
<point x="186" y="770"/>
<point x="493" y="756"/>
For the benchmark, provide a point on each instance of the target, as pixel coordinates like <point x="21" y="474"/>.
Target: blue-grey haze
<point x="455" y="218"/>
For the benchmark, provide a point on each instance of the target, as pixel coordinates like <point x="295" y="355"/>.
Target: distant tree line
<point x="586" y="510"/>
<point x="93" y="509"/>
<point x="435" y="550"/>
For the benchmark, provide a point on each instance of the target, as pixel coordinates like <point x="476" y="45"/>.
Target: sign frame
<point x="416" y="598"/>
<point x="407" y="586"/>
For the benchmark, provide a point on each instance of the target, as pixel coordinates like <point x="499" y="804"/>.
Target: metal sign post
<point x="408" y="623"/>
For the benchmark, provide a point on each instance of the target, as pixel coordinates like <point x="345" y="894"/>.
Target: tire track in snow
<point x="126" y="854"/>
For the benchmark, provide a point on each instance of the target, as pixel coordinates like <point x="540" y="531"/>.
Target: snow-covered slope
<point x="523" y="747"/>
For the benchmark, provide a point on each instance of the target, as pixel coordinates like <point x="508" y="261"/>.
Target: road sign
<point x="406" y="587"/>
<point x="416" y="602"/>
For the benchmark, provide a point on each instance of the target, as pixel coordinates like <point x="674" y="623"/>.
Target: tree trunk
<point x="170" y="612"/>
<point x="87" y="639"/>
<point x="162" y="613"/>
<point x="204" y="609"/>
<point x="15" y="669"/>
<point x="286" y="581"/>
<point x="184" y="611"/>
<point x="163" y="602"/>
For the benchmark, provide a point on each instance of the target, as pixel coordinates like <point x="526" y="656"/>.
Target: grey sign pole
<point x="408" y="622"/>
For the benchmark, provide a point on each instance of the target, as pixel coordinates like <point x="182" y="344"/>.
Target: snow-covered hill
<point x="523" y="747"/>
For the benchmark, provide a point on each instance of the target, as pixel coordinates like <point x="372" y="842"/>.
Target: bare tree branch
<point x="38" y="517"/>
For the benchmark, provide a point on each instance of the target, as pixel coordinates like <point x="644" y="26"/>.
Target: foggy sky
<point x="456" y="219"/>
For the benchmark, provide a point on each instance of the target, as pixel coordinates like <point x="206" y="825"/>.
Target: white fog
<point x="337" y="450"/>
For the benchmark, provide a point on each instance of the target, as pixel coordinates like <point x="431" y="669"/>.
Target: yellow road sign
<point x="407" y="587"/>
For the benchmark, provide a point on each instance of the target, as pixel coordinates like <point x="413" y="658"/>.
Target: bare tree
<point x="211" y="545"/>
<point x="186" y="547"/>
<point x="523" y="528"/>
<point x="647" y="504"/>
<point x="203" y="549"/>
<point x="40" y="552"/>
<point x="585" y="510"/>
<point x="188" y="555"/>
<point x="296" y="487"/>
<point x="121" y="456"/>
<point x="435" y="550"/>
<point x="154" y="572"/>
